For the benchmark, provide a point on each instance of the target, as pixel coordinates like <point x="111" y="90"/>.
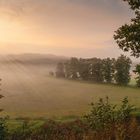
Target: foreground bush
<point x="104" y="122"/>
<point x="3" y="129"/>
<point x="111" y="122"/>
<point x="103" y="114"/>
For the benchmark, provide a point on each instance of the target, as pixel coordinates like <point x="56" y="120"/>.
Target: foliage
<point x="135" y="4"/>
<point x="137" y="71"/>
<point x="84" y="69"/>
<point x="3" y="129"/>
<point x="108" y="69"/>
<point x="72" y="68"/>
<point x="78" y="130"/>
<point x="112" y="122"/>
<point x="127" y="36"/>
<point x="51" y="130"/>
<point x="96" y="70"/>
<point x="103" y="114"/>
<point x="122" y="67"/>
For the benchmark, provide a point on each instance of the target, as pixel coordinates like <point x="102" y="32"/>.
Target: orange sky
<point x="64" y="27"/>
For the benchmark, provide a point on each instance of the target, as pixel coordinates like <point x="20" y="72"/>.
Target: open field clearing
<point x="29" y="92"/>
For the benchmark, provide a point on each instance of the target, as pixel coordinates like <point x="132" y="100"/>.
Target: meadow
<point x="29" y="91"/>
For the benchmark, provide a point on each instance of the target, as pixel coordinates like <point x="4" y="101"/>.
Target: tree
<point x="122" y="67"/>
<point x="128" y="35"/>
<point x="137" y="71"/>
<point x="96" y="70"/>
<point x="108" y="69"/>
<point x="135" y="4"/>
<point x="67" y="69"/>
<point x="74" y="64"/>
<point x="60" y="70"/>
<point x="84" y="69"/>
<point x="72" y="68"/>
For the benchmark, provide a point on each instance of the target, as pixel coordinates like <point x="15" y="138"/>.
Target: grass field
<point x="30" y="92"/>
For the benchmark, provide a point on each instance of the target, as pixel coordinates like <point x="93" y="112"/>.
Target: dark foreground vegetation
<point x="104" y="122"/>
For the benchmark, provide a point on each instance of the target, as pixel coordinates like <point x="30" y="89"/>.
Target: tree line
<point x="108" y="70"/>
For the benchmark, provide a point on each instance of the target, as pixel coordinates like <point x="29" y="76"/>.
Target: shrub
<point x="122" y="68"/>
<point x="109" y="121"/>
<point x="103" y="114"/>
<point x="3" y="129"/>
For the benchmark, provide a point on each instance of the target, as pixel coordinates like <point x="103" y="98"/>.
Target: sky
<point x="82" y="28"/>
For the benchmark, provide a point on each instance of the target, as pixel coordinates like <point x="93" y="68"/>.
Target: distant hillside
<point x="38" y="59"/>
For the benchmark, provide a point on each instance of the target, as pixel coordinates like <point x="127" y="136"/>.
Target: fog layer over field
<point x="29" y="91"/>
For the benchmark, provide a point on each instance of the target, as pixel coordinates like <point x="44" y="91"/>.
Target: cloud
<point x="66" y="23"/>
<point x="19" y="6"/>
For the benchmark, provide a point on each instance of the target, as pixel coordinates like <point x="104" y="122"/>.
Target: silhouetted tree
<point x="96" y="70"/>
<point x="60" y="70"/>
<point x="67" y="70"/>
<point x="84" y="69"/>
<point x="122" y="67"/>
<point x="137" y="71"/>
<point x="135" y="4"/>
<point x="128" y="36"/>
<point x="108" y="69"/>
<point x="72" y="68"/>
<point x="74" y="64"/>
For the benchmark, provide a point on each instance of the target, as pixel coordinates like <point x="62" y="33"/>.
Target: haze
<point x="82" y="28"/>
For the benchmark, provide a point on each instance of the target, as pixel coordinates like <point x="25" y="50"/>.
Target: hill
<point x="34" y="59"/>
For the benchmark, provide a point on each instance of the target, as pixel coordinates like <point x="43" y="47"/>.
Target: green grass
<point x="13" y="125"/>
<point x="30" y="92"/>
